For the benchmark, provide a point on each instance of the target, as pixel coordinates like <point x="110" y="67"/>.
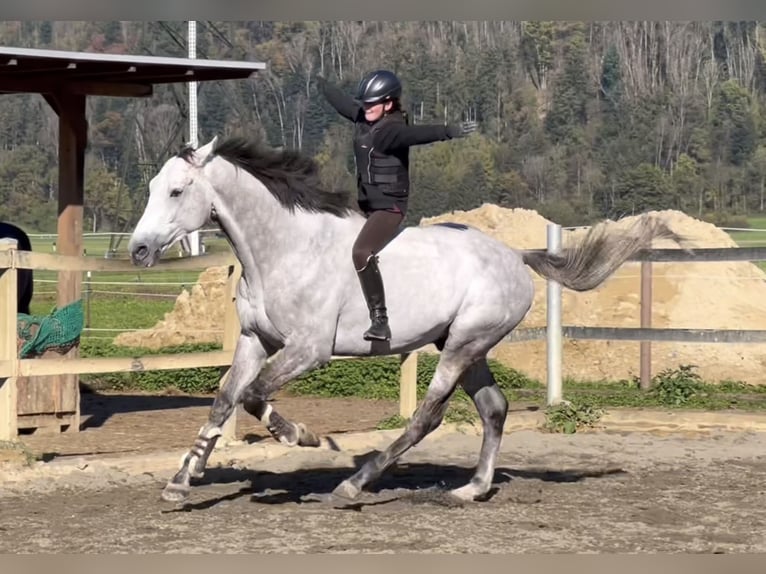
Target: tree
<point x="568" y="115"/>
<point x="610" y="92"/>
<point x="102" y="190"/>
<point x="688" y="184"/>
<point x="733" y="129"/>
<point x="759" y="168"/>
<point x="643" y="188"/>
<point x="537" y="51"/>
<point x="335" y="160"/>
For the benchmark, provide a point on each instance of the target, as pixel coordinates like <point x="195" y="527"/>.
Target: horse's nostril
<point x="140" y="252"/>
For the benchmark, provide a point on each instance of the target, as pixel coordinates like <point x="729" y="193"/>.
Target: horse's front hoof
<point x="175" y="492"/>
<point x="346" y="490"/>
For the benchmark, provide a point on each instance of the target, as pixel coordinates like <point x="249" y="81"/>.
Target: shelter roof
<point x="29" y="70"/>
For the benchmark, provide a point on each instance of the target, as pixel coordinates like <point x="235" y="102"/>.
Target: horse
<point x="25" y="277"/>
<point x="299" y="302"/>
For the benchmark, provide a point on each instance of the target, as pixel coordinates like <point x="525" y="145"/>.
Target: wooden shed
<point x="65" y="79"/>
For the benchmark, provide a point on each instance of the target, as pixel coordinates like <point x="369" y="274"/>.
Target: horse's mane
<point x="290" y="176"/>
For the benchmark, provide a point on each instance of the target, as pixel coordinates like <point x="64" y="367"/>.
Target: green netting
<point x="59" y="330"/>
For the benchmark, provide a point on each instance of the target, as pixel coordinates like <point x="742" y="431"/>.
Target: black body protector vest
<point x="383" y="177"/>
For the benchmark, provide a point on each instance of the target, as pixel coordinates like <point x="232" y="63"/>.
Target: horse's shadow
<point x="424" y="482"/>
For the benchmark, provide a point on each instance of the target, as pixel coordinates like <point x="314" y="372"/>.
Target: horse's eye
<point x="176" y="192"/>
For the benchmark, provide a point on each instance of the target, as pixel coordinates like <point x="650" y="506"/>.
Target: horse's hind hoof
<point x="306" y="437"/>
<point x="469" y="493"/>
<point x="464" y="493"/>
<point x="175" y="492"/>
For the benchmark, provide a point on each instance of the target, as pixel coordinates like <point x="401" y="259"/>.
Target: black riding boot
<point x="372" y="287"/>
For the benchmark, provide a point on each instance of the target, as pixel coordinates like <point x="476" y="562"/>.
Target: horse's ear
<point x="205" y="153"/>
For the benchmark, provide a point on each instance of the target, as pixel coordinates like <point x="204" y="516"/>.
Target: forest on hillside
<point x="578" y="120"/>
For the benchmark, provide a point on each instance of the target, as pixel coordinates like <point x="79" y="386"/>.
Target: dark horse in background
<point x="25" y="275"/>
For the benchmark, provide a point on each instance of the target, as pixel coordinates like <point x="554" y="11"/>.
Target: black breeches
<point x="380" y="228"/>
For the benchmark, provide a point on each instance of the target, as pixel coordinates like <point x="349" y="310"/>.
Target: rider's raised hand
<point x="461" y="130"/>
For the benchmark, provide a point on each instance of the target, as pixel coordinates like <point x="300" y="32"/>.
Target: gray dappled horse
<point x="25" y="276"/>
<point x="299" y="301"/>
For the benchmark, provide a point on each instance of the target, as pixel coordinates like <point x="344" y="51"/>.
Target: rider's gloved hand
<point x="461" y="130"/>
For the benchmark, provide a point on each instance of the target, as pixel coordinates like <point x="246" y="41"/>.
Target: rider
<point x="382" y="138"/>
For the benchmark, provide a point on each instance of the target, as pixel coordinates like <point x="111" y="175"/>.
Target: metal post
<point x="553" y="330"/>
<point x="194" y="235"/>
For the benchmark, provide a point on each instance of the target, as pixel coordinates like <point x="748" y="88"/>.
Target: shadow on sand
<point x="410" y="482"/>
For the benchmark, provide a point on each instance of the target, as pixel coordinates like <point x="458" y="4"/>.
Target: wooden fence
<point x="13" y="409"/>
<point x="11" y="367"/>
<point x="645" y="333"/>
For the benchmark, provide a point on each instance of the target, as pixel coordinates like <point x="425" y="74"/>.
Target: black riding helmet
<point x="378" y="86"/>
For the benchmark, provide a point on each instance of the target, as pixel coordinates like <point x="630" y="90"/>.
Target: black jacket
<point x="381" y="150"/>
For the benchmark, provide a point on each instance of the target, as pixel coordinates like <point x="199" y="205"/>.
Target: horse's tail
<point x="600" y="253"/>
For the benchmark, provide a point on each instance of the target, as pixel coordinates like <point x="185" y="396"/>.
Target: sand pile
<point x="197" y="316"/>
<point x="726" y="295"/>
<point x="685" y="295"/>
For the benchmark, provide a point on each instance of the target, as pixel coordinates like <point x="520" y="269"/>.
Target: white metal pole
<point x="553" y="331"/>
<point x="194" y="236"/>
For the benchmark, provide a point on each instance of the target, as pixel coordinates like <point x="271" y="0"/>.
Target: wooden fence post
<point x="408" y="381"/>
<point x="231" y="330"/>
<point x="645" y="353"/>
<point x="8" y="327"/>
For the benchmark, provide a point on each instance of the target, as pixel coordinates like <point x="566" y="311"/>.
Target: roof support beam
<point x="9" y="84"/>
<point x="73" y="140"/>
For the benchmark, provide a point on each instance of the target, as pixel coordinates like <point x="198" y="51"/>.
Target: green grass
<point x="568" y="417"/>
<point x="756" y="237"/>
<point x="133" y="282"/>
<point x="757" y="221"/>
<point x="117" y="312"/>
<point x="676" y="388"/>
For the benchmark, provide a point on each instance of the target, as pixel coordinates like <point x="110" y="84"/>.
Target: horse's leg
<point x="288" y="363"/>
<point x="249" y="357"/>
<point x="479" y="383"/>
<point x="285" y="431"/>
<point x="428" y="416"/>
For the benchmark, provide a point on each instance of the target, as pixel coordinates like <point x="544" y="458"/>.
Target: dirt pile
<point x="725" y="295"/>
<point x="685" y="295"/>
<point x="197" y="316"/>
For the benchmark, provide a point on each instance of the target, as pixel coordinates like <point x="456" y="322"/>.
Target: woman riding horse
<point x="382" y="138"/>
